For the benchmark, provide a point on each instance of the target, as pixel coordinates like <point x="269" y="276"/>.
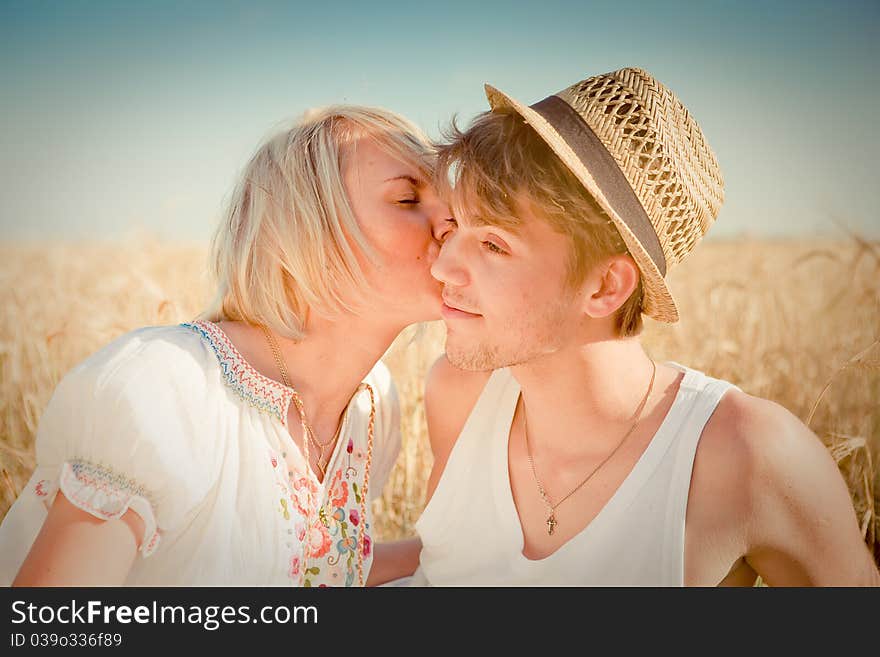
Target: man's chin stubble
<point x="475" y="360"/>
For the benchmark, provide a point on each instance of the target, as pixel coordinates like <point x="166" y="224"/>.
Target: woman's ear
<point x="612" y="282"/>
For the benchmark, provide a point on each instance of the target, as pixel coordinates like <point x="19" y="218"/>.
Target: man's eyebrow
<point x="513" y="228"/>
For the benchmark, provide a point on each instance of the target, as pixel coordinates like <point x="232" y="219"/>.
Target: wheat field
<point x="795" y="322"/>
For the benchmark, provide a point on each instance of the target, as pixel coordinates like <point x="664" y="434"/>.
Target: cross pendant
<point x="551" y="523"/>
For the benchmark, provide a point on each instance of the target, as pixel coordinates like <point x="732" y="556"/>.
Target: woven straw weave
<point x="662" y="153"/>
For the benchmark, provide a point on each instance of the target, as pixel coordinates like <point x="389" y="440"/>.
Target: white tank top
<point x="471" y="533"/>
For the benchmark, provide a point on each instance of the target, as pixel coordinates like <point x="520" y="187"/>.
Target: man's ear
<point x="610" y="284"/>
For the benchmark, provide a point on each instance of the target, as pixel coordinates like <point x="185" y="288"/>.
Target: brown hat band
<point x="599" y="162"/>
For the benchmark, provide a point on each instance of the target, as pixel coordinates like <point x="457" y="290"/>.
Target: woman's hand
<point x="394" y="560"/>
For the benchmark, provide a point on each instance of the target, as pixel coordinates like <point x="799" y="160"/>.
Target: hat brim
<point x="658" y="303"/>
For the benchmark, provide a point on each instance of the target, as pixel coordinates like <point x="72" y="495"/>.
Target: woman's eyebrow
<point x="415" y="181"/>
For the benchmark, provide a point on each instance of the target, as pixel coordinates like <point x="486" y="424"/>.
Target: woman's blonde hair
<point x="286" y="245"/>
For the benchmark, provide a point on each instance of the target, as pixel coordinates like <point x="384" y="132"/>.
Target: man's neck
<point x="592" y="390"/>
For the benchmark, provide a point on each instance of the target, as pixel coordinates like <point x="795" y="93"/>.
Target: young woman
<point x="244" y="448"/>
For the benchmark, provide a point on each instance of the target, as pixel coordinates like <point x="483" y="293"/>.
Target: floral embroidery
<point x="314" y="570"/>
<point x="339" y="516"/>
<point x="331" y="543"/>
<point x="350" y="471"/>
<point x="319" y="540"/>
<point x="338" y="490"/>
<point x="259" y="391"/>
<point x="40" y="488"/>
<point x="151" y="546"/>
<point x="329" y="519"/>
<point x="304" y="490"/>
<point x="346" y="546"/>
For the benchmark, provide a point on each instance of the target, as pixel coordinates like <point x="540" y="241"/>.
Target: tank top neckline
<point x="509" y="519"/>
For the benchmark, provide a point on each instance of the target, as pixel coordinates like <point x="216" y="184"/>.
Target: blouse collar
<point x="259" y="391"/>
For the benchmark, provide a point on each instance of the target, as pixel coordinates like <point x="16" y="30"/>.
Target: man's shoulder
<point x="744" y="460"/>
<point x="751" y="446"/>
<point x="764" y="479"/>
<point x="450" y="396"/>
<point x="753" y="430"/>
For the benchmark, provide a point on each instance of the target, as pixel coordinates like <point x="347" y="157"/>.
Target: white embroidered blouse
<point x="174" y="424"/>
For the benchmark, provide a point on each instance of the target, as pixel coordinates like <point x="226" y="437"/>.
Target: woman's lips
<point x="450" y="312"/>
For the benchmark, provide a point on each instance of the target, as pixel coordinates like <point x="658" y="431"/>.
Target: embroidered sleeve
<point x="99" y="491"/>
<point x="119" y="433"/>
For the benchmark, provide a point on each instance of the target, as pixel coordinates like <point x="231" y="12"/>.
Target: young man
<point x="563" y="453"/>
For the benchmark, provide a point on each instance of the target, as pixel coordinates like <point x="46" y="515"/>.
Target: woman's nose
<point x="440" y="220"/>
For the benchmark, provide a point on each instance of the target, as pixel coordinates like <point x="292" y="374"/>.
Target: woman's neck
<point x="325" y="368"/>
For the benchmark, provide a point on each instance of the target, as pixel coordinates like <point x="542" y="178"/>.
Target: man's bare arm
<point x="450" y="395"/>
<point x="803" y="529"/>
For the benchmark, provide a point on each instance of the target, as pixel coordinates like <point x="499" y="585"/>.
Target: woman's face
<point x="399" y="213"/>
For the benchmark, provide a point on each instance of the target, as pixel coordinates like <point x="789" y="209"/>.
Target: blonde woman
<point x="244" y="448"/>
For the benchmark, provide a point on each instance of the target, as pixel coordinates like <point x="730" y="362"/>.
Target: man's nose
<point x="448" y="268"/>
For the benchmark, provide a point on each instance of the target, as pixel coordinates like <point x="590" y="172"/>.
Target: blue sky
<point x="123" y="116"/>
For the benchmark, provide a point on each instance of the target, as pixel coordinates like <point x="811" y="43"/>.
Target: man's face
<point x="506" y="299"/>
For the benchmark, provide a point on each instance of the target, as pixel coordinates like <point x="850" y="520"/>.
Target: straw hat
<point x="639" y="152"/>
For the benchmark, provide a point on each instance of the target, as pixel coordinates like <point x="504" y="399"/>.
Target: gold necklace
<point x="551" y="508"/>
<point x="308" y="433"/>
<point x="361" y="544"/>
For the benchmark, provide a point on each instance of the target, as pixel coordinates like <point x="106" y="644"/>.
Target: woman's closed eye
<point x="404" y="190"/>
<point x="447" y="228"/>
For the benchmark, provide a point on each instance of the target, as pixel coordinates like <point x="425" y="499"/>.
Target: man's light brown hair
<point x="499" y="159"/>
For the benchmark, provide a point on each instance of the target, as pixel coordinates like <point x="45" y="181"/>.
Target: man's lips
<point x="452" y="311"/>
